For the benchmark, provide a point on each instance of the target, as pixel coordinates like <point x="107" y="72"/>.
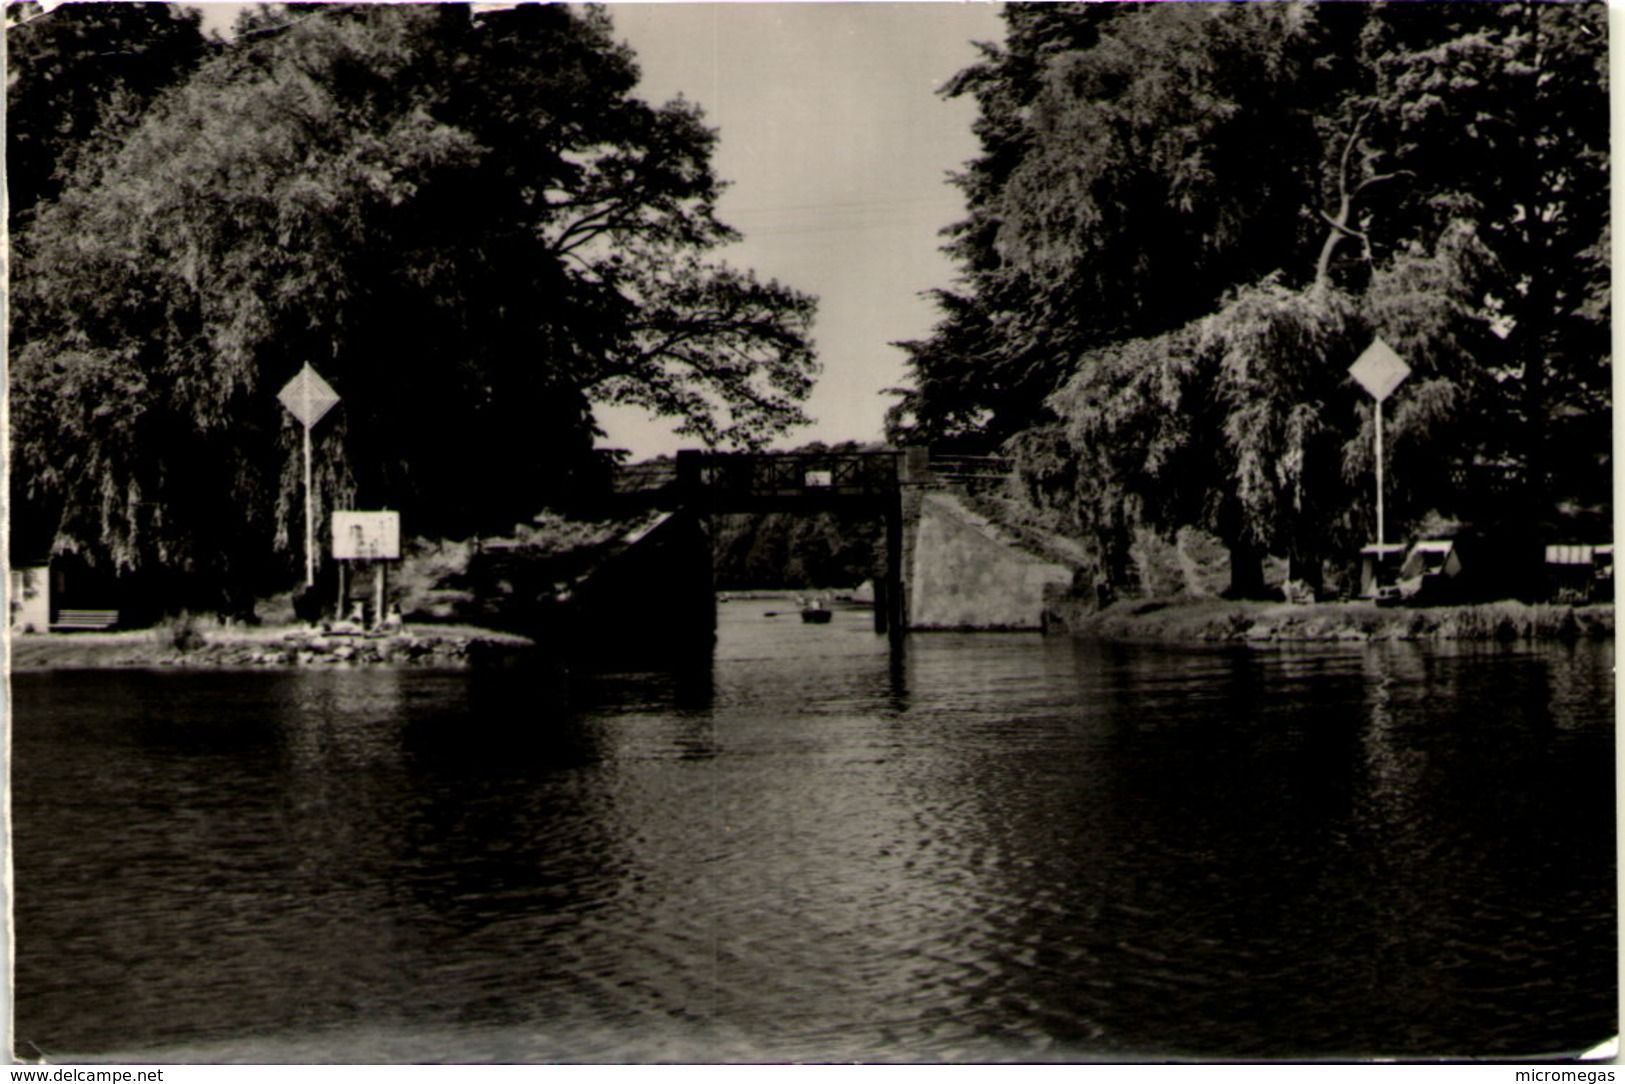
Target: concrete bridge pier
<point x="891" y="603"/>
<point x="945" y="564"/>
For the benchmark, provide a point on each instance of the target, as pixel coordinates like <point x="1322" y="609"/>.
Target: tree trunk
<point x="1246" y="571"/>
<point x="1306" y="570"/>
<point x="1122" y="576"/>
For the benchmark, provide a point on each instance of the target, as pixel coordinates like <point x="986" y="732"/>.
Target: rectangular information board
<point x="367" y="536"/>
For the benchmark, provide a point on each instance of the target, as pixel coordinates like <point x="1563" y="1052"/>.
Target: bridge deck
<point x="745" y="482"/>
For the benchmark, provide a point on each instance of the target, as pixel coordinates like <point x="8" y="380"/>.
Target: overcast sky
<point x="838" y="147"/>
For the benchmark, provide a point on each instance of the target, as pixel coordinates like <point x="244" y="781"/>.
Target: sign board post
<point x="1379" y="371"/>
<point x="368" y="536"/>
<point x="308" y="398"/>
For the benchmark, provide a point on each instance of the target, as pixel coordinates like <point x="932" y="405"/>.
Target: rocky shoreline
<point x="463" y="646"/>
<point x="443" y="647"/>
<point x="1216" y="620"/>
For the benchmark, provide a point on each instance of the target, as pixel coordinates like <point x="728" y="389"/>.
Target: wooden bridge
<point x="802" y="481"/>
<point x="958" y="553"/>
<point x="971" y="575"/>
<point x="718" y="483"/>
<point x="793" y="481"/>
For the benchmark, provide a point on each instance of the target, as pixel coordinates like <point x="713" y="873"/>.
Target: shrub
<point x="181" y="633"/>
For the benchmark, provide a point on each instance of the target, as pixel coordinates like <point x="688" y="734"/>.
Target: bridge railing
<point x="974" y="471"/>
<point x="789" y="474"/>
<point x="784" y="475"/>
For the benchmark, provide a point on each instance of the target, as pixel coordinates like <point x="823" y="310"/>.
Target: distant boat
<point x="814" y="613"/>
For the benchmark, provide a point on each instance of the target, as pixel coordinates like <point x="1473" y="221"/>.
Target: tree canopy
<point x="469" y="224"/>
<point x="78" y="76"/>
<point x="1189" y="219"/>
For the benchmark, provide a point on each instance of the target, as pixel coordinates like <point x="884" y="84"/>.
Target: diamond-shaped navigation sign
<point x="1379" y="370"/>
<point x="308" y="397"/>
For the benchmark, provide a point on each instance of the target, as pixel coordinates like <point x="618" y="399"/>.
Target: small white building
<point x="30" y="597"/>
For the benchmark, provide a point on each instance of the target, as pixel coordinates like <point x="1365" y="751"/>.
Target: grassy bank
<point x="450" y="646"/>
<point x="1274" y="622"/>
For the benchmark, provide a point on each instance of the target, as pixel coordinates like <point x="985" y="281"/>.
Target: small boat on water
<point x="813" y="612"/>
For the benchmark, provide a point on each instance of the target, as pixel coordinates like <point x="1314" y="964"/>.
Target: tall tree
<point x="1140" y="160"/>
<point x="982" y="376"/>
<point x="79" y="75"/>
<point x="1198" y="214"/>
<point x="1507" y="125"/>
<point x="470" y="225"/>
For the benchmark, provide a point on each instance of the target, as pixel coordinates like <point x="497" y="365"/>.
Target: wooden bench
<point x="84" y="620"/>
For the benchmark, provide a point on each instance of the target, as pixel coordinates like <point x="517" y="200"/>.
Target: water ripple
<point x="989" y="848"/>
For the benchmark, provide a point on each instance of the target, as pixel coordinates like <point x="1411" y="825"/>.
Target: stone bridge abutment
<point x="944" y="563"/>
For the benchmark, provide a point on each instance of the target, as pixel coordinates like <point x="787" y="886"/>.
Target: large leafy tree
<point x="1523" y="94"/>
<point x="470" y="225"/>
<point x="78" y="77"/>
<point x="1234" y="423"/>
<point x="1139" y="161"/>
<point x="982" y="375"/>
<point x="1191" y="218"/>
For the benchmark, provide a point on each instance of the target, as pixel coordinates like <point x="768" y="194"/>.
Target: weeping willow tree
<point x="1245" y="422"/>
<point x="1232" y="424"/>
<point x="1190" y="220"/>
<point x="469" y="224"/>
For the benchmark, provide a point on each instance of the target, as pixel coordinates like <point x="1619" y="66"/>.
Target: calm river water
<point x="984" y="847"/>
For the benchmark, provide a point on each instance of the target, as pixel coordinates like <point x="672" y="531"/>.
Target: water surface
<point x="986" y="847"/>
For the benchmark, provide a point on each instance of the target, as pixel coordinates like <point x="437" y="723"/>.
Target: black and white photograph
<point x="766" y="534"/>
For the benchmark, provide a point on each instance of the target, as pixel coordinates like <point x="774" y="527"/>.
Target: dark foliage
<point x="470" y="225"/>
<point x="1189" y="219"/>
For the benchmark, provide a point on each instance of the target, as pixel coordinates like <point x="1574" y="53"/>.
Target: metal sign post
<point x="1379" y="371"/>
<point x="1381" y="537"/>
<point x="308" y="398"/>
